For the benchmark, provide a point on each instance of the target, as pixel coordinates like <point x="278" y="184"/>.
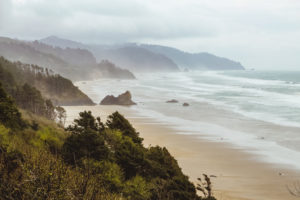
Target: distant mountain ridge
<point x="135" y="59"/>
<point x="62" y="43"/>
<point x="73" y="63"/>
<point x="134" y="56"/>
<point x="195" y="60"/>
<point x="74" y="56"/>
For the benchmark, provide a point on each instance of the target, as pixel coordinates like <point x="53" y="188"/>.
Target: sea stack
<point x="185" y="104"/>
<point x="123" y="99"/>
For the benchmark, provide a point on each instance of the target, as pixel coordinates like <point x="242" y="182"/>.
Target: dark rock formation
<point x="123" y="99"/>
<point x="172" y="101"/>
<point x="185" y="104"/>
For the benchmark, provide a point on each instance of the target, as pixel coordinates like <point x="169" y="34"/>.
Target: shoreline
<point x="240" y="175"/>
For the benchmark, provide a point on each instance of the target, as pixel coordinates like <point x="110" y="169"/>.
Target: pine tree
<point x="9" y="114"/>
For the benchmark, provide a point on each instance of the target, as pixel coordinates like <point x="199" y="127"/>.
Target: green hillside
<point x="89" y="160"/>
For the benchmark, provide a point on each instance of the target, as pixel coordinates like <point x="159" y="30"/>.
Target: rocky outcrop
<point x="123" y="99"/>
<point x="172" y="101"/>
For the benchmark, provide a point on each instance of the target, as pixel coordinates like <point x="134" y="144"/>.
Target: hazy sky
<point x="258" y="33"/>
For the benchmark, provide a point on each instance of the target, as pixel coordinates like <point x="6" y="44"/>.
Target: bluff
<point x="58" y="89"/>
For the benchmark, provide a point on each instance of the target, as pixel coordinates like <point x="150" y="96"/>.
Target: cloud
<point x="251" y="31"/>
<point x="115" y="20"/>
<point x="5" y="11"/>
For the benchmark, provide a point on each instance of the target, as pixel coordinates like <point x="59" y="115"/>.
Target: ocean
<point x="256" y="111"/>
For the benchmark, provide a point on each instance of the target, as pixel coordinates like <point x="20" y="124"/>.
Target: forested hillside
<point x="110" y="70"/>
<point x="89" y="160"/>
<point x="18" y="77"/>
<point x="74" y="56"/>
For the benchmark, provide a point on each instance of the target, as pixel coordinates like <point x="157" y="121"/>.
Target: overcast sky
<point x="263" y="34"/>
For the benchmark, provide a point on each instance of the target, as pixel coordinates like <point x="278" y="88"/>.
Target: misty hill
<point x="194" y="60"/>
<point x="73" y="56"/>
<point x="76" y="64"/>
<point x="62" y="43"/>
<point x="135" y="59"/>
<point x="110" y="70"/>
<point x="139" y="56"/>
<point x="16" y="50"/>
<point x="58" y="89"/>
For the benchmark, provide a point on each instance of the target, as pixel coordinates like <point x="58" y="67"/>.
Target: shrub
<point x="117" y="121"/>
<point x="88" y="144"/>
<point x="136" y="189"/>
<point x="130" y="156"/>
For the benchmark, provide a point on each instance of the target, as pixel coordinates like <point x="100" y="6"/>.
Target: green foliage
<point x="137" y="189"/>
<point x="179" y="187"/>
<point x="84" y="145"/>
<point x="7" y="80"/>
<point x="170" y="182"/>
<point x="30" y="99"/>
<point x="26" y="96"/>
<point x="130" y="156"/>
<point x="85" y="140"/>
<point x="48" y="137"/>
<point x="9" y="114"/>
<point x="109" y="173"/>
<point x="85" y="122"/>
<point x="118" y="122"/>
<point x="162" y="163"/>
<point x="61" y="115"/>
<point x="4" y="135"/>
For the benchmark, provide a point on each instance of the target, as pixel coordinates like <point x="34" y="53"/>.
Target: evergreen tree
<point x="9" y="114"/>
<point x="85" y="140"/>
<point x="117" y="121"/>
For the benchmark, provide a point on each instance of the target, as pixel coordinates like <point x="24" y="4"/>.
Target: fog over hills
<point x="130" y="57"/>
<point x="194" y="60"/>
<point x="73" y="63"/>
<point x="79" y="61"/>
<point x="74" y="56"/>
<point x="136" y="59"/>
<point x="16" y="50"/>
<point x="144" y="57"/>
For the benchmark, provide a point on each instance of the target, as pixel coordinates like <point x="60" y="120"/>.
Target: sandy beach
<point x="239" y="174"/>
